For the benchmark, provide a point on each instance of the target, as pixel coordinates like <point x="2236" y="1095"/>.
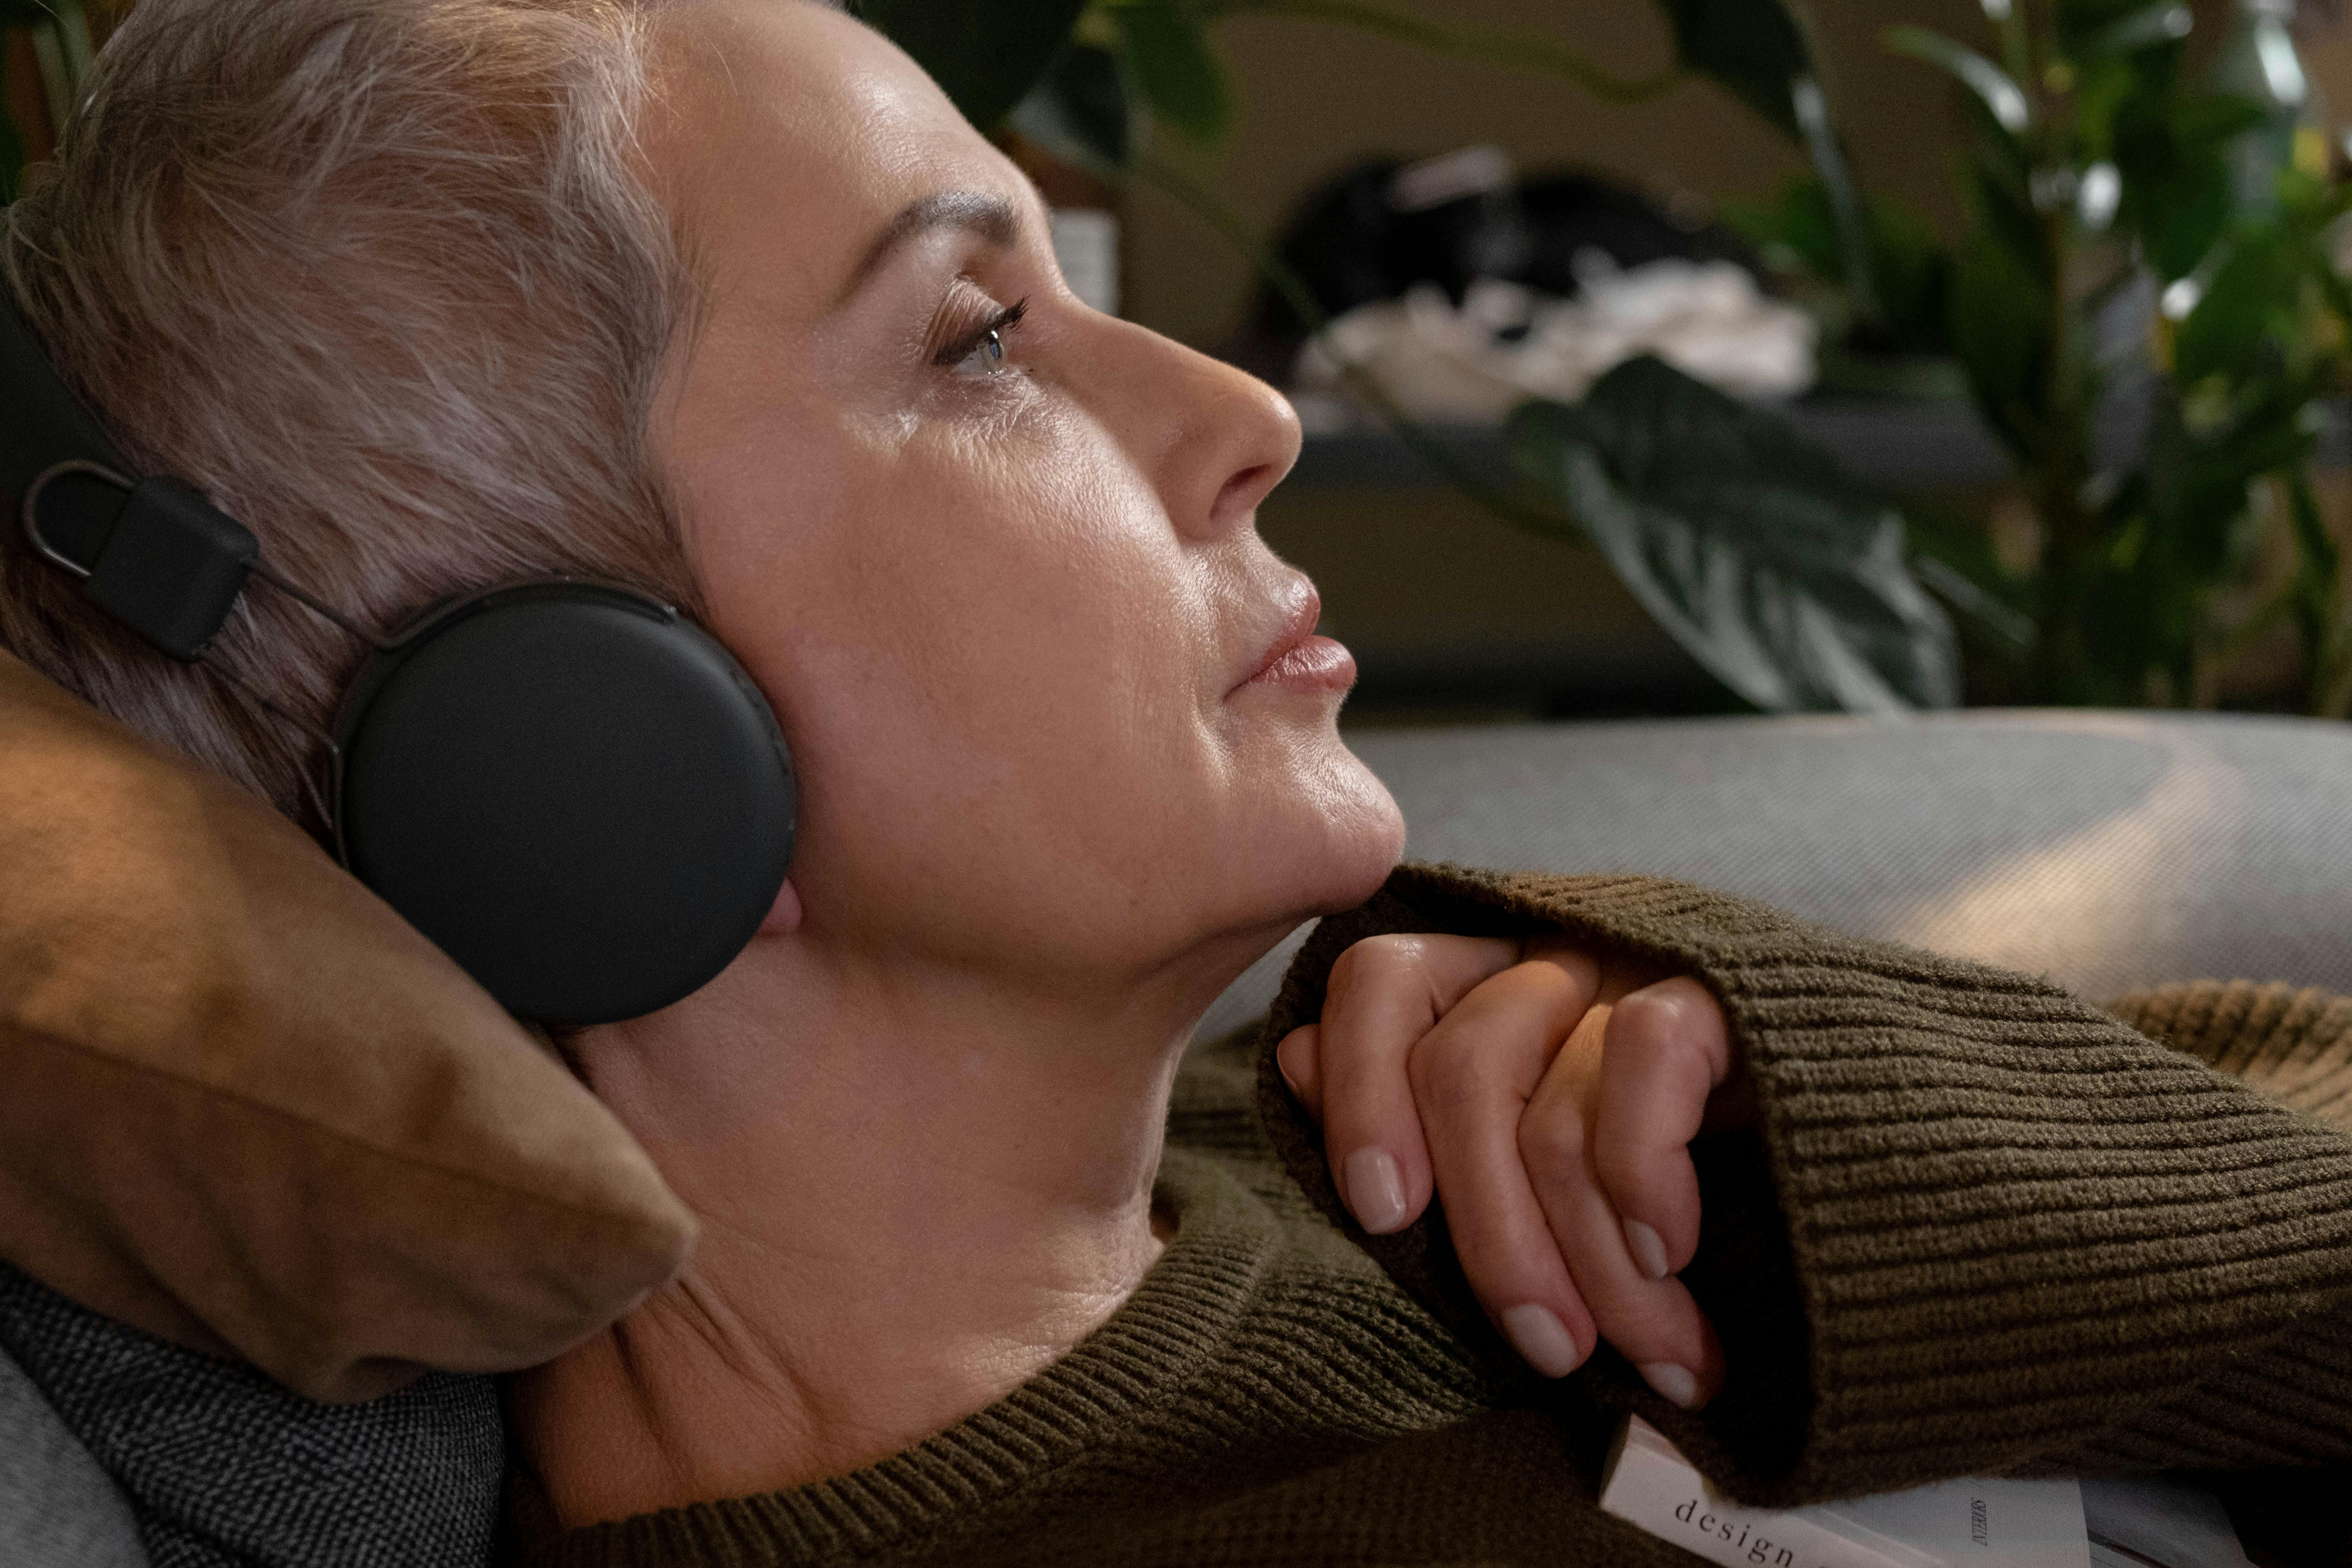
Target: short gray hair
<point x="383" y="277"/>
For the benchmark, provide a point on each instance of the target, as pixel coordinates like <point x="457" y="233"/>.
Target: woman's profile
<point x="722" y="298"/>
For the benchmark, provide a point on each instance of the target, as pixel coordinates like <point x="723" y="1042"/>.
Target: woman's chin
<point x="1372" y="843"/>
<point x="1335" y="840"/>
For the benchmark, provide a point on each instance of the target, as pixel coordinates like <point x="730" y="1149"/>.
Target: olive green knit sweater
<point x="1984" y="1226"/>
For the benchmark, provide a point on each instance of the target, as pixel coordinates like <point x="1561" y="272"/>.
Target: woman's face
<point x="1012" y="612"/>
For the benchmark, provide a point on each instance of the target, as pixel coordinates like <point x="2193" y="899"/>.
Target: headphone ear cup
<point x="575" y="792"/>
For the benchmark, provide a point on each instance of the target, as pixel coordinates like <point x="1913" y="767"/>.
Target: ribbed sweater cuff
<point x="2013" y="1222"/>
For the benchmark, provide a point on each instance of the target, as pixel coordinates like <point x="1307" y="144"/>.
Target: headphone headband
<point x="47" y="425"/>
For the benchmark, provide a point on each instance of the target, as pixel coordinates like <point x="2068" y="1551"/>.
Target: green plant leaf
<point x="1756" y="50"/>
<point x="1998" y="165"/>
<point x="1992" y="86"/>
<point x="2153" y="25"/>
<point x="2197" y="482"/>
<point x="1753" y="48"/>
<point x="2102" y="88"/>
<point x="2002" y="201"/>
<point x="2173" y="156"/>
<point x="1174" y="71"/>
<point x="985" y="54"/>
<point x="1080" y="111"/>
<point x="1914" y="277"/>
<point x="2212" y="119"/>
<point x="2187" y="528"/>
<point x="2244" y="310"/>
<point x="1796" y="226"/>
<point x="1954" y="560"/>
<point x="1999" y="318"/>
<point x="1907" y="261"/>
<point x="2078" y="19"/>
<point x="1748" y="546"/>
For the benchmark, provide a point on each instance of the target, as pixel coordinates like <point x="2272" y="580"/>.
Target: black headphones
<point x="567" y="785"/>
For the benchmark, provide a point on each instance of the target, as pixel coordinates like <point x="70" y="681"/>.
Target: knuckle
<point x="1685" y="999"/>
<point x="1677" y="1017"/>
<point x="1535" y="982"/>
<point x="1442" y="1069"/>
<point x="1702" y="1009"/>
<point x="1571" y="960"/>
<point x="1665" y="1017"/>
<point x="1393" y="950"/>
<point x="1342" y="976"/>
<point x="1648" y="1015"/>
<point x="1550" y="1144"/>
<point x="1372" y="960"/>
<point x="1620" y="1169"/>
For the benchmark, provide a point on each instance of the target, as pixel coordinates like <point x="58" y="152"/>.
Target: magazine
<point x="1988" y="1521"/>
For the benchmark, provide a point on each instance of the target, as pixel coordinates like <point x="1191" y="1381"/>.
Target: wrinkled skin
<point x="1003" y="613"/>
<point x="1068" y="767"/>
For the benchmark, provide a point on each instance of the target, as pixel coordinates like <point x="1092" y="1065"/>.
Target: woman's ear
<point x="785" y="914"/>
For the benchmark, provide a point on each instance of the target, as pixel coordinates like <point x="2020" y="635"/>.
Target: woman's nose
<point x="1214" y="439"/>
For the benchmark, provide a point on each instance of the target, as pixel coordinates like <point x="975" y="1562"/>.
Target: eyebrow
<point x="990" y="216"/>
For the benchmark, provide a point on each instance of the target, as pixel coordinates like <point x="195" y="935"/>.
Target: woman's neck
<point x="914" y="1197"/>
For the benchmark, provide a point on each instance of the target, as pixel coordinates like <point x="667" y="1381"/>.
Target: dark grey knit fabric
<point x="226" y="1469"/>
<point x="58" y="1509"/>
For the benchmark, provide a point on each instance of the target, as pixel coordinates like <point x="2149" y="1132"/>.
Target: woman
<point x="722" y="297"/>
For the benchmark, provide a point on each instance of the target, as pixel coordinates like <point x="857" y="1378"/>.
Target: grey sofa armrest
<point x="58" y="1509"/>
<point x="2109" y="851"/>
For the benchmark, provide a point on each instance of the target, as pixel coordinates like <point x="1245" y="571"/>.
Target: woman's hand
<point x="1550" y="1098"/>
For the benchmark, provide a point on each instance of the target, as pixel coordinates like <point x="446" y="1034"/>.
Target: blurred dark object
<point x="1565" y="214"/>
<point x="1376" y="230"/>
<point x="2267" y="1509"/>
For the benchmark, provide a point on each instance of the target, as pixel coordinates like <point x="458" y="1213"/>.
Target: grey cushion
<point x="223" y="1468"/>
<point x="2107" y="851"/>
<point x="57" y="1509"/>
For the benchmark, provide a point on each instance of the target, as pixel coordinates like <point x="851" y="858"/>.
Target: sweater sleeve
<point x="2294" y="1045"/>
<point x="1984" y="1226"/>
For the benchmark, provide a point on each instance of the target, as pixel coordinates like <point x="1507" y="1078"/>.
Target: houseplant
<point x="2143" y="238"/>
<point x="2155" y="244"/>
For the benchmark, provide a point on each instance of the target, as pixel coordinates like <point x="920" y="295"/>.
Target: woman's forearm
<point x="2016" y="1232"/>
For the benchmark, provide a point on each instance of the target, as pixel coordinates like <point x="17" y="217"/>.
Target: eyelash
<point x="967" y="344"/>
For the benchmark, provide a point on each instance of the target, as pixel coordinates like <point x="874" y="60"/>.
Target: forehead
<point x="787" y="135"/>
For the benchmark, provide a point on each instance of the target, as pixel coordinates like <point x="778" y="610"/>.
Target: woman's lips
<point x="1317" y="664"/>
<point x="1298" y="660"/>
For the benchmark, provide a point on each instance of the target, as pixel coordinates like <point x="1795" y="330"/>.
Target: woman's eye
<point x="982" y="351"/>
<point x="987" y="357"/>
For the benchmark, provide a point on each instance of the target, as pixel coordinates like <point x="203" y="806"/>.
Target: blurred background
<point x="1720" y="355"/>
<point x="1312" y="98"/>
<point x="1453" y="610"/>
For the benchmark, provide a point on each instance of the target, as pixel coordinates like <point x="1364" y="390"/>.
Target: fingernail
<point x="1375" y="1191"/>
<point x="1672" y="1383"/>
<point x="1544" y="1340"/>
<point x="1288" y="1083"/>
<point x="1649" y="1252"/>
